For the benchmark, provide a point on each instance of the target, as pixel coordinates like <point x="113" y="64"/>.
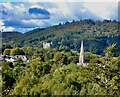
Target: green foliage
<point x="6" y="52"/>
<point x="60" y="57"/>
<point x="55" y="72"/>
<point x="17" y="51"/>
<point x="5" y="46"/>
<point x="19" y="62"/>
<point x="89" y="57"/>
<point x="7" y="79"/>
<point x="29" y="51"/>
<point x="9" y="36"/>
<point x="18" y="72"/>
<point x="97" y="35"/>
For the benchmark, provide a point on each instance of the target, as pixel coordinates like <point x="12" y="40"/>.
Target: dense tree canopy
<point x="6" y="52"/>
<point x="54" y="72"/>
<point x="17" y="51"/>
<point x="97" y="35"/>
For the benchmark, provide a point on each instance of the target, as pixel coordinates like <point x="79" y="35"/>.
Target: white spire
<point x="81" y="57"/>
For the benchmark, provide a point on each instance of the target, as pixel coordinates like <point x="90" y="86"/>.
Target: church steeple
<point x="81" y="57"/>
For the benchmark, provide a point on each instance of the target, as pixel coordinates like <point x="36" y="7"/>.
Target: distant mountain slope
<point x="96" y="35"/>
<point x="10" y="36"/>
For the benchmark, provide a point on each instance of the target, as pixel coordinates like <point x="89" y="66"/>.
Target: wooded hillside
<point x="97" y="35"/>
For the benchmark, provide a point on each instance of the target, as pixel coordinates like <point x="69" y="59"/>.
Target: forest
<point x="54" y="71"/>
<point x="97" y="35"/>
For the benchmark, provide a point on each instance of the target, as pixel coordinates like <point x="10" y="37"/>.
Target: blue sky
<point x="25" y="16"/>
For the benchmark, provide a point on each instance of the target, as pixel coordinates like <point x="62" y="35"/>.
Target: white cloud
<point x="59" y="11"/>
<point x="33" y="22"/>
<point x="8" y="5"/>
<point x="37" y="6"/>
<point x="73" y="0"/>
<point x="8" y="28"/>
<point x="1" y="25"/>
<point x="100" y="1"/>
<point x="1" y="28"/>
<point x="83" y="10"/>
<point x="102" y="9"/>
<point x="21" y="8"/>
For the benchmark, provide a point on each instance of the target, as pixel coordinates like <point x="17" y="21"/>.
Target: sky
<point x="24" y="16"/>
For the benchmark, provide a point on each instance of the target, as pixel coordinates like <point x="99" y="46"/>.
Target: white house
<point x="14" y="59"/>
<point x="46" y="45"/>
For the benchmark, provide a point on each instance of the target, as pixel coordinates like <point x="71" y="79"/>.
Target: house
<point x="23" y="57"/>
<point x="14" y="59"/>
<point x="46" y="45"/>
